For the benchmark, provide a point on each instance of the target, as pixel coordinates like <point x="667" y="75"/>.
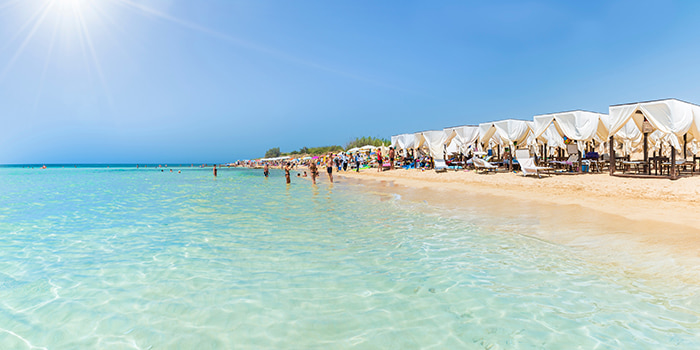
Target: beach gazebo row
<point x="667" y="126"/>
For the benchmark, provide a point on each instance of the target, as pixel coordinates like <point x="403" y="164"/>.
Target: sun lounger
<point x="440" y="166"/>
<point x="573" y="159"/>
<point x="527" y="164"/>
<point x="483" y="165"/>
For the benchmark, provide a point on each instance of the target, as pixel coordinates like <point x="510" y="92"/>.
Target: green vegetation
<point x="273" y="152"/>
<point x="315" y="151"/>
<point x="368" y="140"/>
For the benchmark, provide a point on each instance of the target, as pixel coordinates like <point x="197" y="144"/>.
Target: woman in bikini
<point x="314" y="171"/>
<point x="286" y="173"/>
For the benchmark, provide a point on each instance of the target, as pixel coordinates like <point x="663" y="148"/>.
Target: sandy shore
<point x="649" y="223"/>
<point x="676" y="202"/>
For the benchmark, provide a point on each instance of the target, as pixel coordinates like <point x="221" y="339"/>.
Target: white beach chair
<point x="483" y="165"/>
<point x="440" y="166"/>
<point x="570" y="162"/>
<point x="527" y="164"/>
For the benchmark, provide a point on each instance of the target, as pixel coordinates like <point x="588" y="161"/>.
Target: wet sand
<point x="643" y="226"/>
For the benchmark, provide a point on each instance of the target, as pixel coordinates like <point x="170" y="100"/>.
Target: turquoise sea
<point x="126" y="258"/>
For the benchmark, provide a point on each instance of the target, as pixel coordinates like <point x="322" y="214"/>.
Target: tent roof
<point x="669" y="116"/>
<point x="462" y="126"/>
<point x="651" y="101"/>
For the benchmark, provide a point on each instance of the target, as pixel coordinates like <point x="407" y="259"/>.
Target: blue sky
<point x="169" y="81"/>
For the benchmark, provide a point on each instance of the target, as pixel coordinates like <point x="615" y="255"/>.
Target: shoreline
<point x="641" y="226"/>
<point x="675" y="202"/>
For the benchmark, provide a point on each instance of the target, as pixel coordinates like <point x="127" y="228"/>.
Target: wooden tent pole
<point x="646" y="154"/>
<point x="673" y="163"/>
<point x="544" y="152"/>
<point x="612" y="156"/>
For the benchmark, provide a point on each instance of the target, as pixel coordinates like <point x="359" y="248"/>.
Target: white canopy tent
<point x="435" y="142"/>
<point x="451" y="148"/>
<point x="460" y="138"/>
<point x="403" y="142"/>
<point x="395" y="141"/>
<point x="506" y="132"/>
<point x="274" y="159"/>
<point x="580" y="126"/>
<point x="367" y="148"/>
<point x="419" y="144"/>
<point x="629" y="138"/>
<point x="670" y="117"/>
<point x="661" y="122"/>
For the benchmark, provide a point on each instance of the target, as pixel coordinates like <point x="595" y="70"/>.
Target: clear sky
<point x="168" y="81"/>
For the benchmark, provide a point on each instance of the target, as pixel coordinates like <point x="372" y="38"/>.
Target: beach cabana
<point x="550" y="139"/>
<point x="419" y="143"/>
<point x="579" y="126"/>
<point x="461" y="137"/>
<point x="395" y="141"/>
<point x="510" y="132"/>
<point x="367" y="148"/>
<point x="676" y="121"/>
<point x="629" y="138"/>
<point x="403" y="142"/>
<point x="507" y="132"/>
<point x="434" y="141"/>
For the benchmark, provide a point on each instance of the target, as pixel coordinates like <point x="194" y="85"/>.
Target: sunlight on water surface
<point x="119" y="258"/>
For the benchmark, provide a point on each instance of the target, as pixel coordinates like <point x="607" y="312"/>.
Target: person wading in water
<point x="329" y="167"/>
<point x="314" y="171"/>
<point x="286" y="173"/>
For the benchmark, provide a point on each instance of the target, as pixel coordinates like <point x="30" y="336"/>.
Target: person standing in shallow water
<point x="314" y="171"/>
<point x="214" y="170"/>
<point x="287" y="167"/>
<point x="266" y="170"/>
<point x="329" y="167"/>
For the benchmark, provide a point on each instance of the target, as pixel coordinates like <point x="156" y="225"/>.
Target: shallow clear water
<point x="126" y="258"/>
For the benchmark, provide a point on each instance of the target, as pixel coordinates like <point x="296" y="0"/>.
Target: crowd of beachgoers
<point x="645" y="139"/>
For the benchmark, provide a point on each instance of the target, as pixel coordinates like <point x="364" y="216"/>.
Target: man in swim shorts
<point x="266" y="170"/>
<point x="391" y="158"/>
<point x="329" y="167"/>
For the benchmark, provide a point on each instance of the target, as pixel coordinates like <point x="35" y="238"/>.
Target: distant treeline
<point x="315" y="151"/>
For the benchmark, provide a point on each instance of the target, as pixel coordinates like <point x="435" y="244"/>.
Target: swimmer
<point x="214" y="170"/>
<point x="266" y="170"/>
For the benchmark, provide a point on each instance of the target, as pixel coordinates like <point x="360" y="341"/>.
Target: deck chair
<point x="527" y="164"/>
<point x="573" y="159"/>
<point x="440" y="166"/>
<point x="483" y="165"/>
